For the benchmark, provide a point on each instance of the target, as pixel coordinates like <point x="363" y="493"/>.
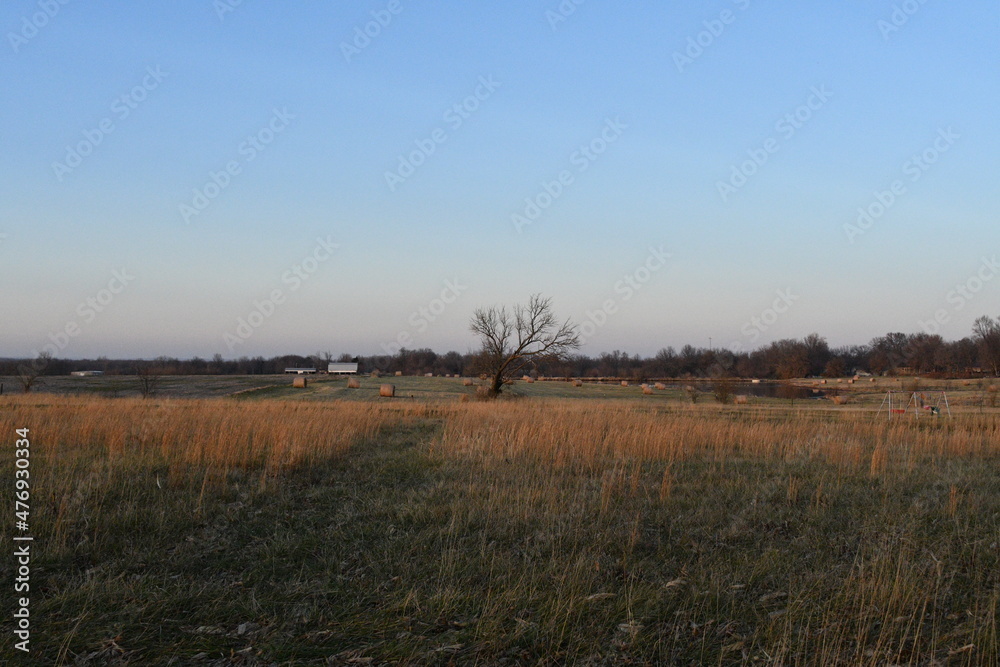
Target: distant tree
<point x="835" y="368"/>
<point x="148" y="376"/>
<point x="689" y="360"/>
<point x="217" y="365"/>
<point x="817" y="353"/>
<point x="922" y="351"/>
<point x="514" y="339"/>
<point x="28" y="373"/>
<point x="790" y="358"/>
<point x="987" y="335"/>
<point x="196" y="365"/>
<point x="746" y="366"/>
<point x="666" y="363"/>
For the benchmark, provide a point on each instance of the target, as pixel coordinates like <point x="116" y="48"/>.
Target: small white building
<point x="301" y="371"/>
<point x="342" y="369"/>
<point x="86" y="374"/>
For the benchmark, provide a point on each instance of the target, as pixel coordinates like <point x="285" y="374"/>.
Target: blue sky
<point x="171" y="167"/>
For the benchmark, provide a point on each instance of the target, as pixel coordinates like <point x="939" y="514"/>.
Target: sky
<point x="261" y="178"/>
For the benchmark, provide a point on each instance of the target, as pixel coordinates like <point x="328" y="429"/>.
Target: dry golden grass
<point x="563" y="432"/>
<point x="522" y="531"/>
<point x="209" y="433"/>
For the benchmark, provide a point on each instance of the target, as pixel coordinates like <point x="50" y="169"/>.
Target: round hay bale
<point x="873" y="380"/>
<point x="741" y="399"/>
<point x="387" y="390"/>
<point x="660" y="386"/>
<point x="647" y="390"/>
<point x="299" y="383"/>
<point x="624" y="383"/>
<point x="577" y="383"/>
<point x="354" y="383"/>
<point x="529" y="380"/>
<point x="467" y="382"/>
<point x="428" y="375"/>
<point x="376" y="374"/>
<point x="399" y="374"/>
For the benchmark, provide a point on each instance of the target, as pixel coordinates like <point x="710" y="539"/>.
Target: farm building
<point x="300" y="371"/>
<point x="84" y="374"/>
<point x="342" y="369"/>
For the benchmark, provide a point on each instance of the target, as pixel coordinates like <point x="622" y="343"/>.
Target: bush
<point x="723" y="390"/>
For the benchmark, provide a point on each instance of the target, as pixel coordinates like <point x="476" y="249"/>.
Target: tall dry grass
<point x="91" y="456"/>
<point x="861" y="539"/>
<point x="530" y="530"/>
<point x="569" y="433"/>
<point x="203" y="433"/>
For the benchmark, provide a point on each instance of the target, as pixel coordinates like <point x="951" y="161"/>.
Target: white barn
<point x="342" y="369"/>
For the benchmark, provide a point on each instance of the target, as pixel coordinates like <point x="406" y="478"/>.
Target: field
<point x="240" y="522"/>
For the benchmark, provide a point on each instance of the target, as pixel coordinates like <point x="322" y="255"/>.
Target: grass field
<point x="280" y="526"/>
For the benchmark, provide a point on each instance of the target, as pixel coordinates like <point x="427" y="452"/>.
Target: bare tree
<point x="987" y="334"/>
<point x="149" y="377"/>
<point x="27" y="374"/>
<point x="323" y="360"/>
<point x="513" y="339"/>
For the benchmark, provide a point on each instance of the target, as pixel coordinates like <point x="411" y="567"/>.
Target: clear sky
<point x="168" y="168"/>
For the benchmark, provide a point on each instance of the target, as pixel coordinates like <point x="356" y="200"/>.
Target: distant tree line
<point x="891" y="354"/>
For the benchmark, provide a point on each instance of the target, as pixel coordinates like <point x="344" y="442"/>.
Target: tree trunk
<point x="496" y="386"/>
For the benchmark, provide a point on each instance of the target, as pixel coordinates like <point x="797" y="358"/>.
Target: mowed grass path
<point x="524" y="532"/>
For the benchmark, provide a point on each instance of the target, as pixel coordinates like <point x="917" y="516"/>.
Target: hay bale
<point x="624" y="383"/>
<point x="577" y="383"/>
<point x="299" y="383"/>
<point x="375" y="373"/>
<point x="647" y="390"/>
<point x="467" y="382"/>
<point x="741" y="399"/>
<point x="428" y="375"/>
<point x="354" y="383"/>
<point x="399" y="374"/>
<point x="529" y="380"/>
<point x="873" y="380"/>
<point x="840" y="400"/>
<point x="387" y="390"/>
<point x="660" y="386"/>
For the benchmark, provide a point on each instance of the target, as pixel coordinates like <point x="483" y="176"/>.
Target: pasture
<point x="236" y="521"/>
